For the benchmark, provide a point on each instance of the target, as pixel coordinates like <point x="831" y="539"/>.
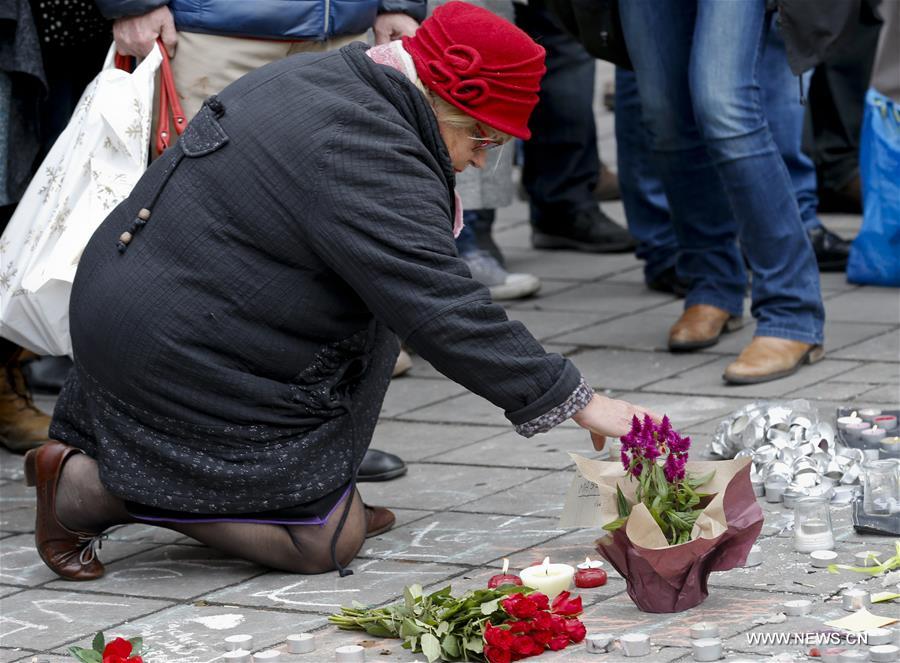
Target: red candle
<point x="504" y="578"/>
<point x="589" y="574"/>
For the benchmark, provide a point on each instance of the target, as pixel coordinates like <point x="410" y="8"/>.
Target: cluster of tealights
<point x="239" y="647"/>
<point x="552" y="579"/>
<point x="706" y="644"/>
<point x="873" y="431"/>
<point x="794" y="454"/>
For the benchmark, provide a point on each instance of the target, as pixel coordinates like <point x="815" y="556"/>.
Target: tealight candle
<point x="890" y="447"/>
<point x="852" y="431"/>
<point x="702" y="630"/>
<point x="797" y="608"/>
<point x="872" y="436"/>
<point x="866" y="558"/>
<point x="503" y="578"/>
<point x="851" y="419"/>
<point x="879" y="636"/>
<point x="869" y="413"/>
<point x="550" y="579"/>
<point x="302" y="643"/>
<point x="635" y="644"/>
<point x="853" y="655"/>
<point x="854" y="599"/>
<point x="598" y="643"/>
<point x="707" y="649"/>
<point x="883" y="653"/>
<point x="268" y="655"/>
<point x="590" y="574"/>
<point x="886" y="421"/>
<point x="350" y="654"/>
<point x="822" y="558"/>
<point x="242" y="641"/>
<point x="237" y="655"/>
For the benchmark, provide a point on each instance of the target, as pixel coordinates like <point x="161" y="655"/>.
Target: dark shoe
<point x="846" y="200"/>
<point x="700" y="326"/>
<point x="607" y="185"/>
<point x="589" y="230"/>
<point x="667" y="281"/>
<point x="770" y="358"/>
<point x="22" y="425"/>
<point x="832" y="252"/>
<point x="380" y="466"/>
<point x="378" y="520"/>
<point x="71" y="555"/>
<point x="46" y="375"/>
<point x="609" y="95"/>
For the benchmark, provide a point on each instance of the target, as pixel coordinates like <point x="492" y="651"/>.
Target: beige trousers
<point x="206" y="64"/>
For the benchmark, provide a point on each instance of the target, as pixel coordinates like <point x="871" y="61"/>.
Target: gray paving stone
<point x="196" y="633"/>
<point x="640" y="331"/>
<point x="629" y="369"/>
<point x="20" y="564"/>
<point x="602" y="297"/>
<point x="865" y="305"/>
<point x="545" y="324"/>
<point x="374" y="581"/>
<point x="6" y="590"/>
<point x="172" y="572"/>
<point x="466" y="409"/>
<point x="889" y="394"/>
<point x="830" y="390"/>
<point x="572" y="266"/>
<point x="707" y="379"/>
<point x="11" y="465"/>
<point x="885" y="347"/>
<point x="16" y="494"/>
<point x="17" y="520"/>
<point x="685" y="410"/>
<point x="458" y="538"/>
<point x="44" y="620"/>
<point x="873" y="373"/>
<point x="838" y="335"/>
<point x="411" y="393"/>
<point x="545" y="451"/>
<point x="414" y="441"/>
<point x="437" y="487"/>
<point x="543" y="497"/>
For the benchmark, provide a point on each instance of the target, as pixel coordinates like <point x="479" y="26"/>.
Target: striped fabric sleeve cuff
<point x="577" y="400"/>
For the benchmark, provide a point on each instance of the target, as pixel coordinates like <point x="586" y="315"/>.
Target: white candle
<point x="350" y="654"/>
<point x="822" y="558"/>
<point x="886" y="421"/>
<point x="237" y="655"/>
<point x="269" y="655"/>
<point x="707" y="649"/>
<point x="702" y="630"/>
<point x="879" y="636"/>
<point x="883" y="653"/>
<point x="550" y="579"/>
<point x="235" y="642"/>
<point x="869" y="414"/>
<point x="855" y="599"/>
<point x="589" y="563"/>
<point x="635" y="644"/>
<point x="797" y="608"/>
<point x="597" y="643"/>
<point x="872" y="436"/>
<point x="852" y="419"/>
<point x="866" y="558"/>
<point x="302" y="643"/>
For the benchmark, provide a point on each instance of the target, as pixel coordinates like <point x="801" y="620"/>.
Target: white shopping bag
<point x="91" y="168"/>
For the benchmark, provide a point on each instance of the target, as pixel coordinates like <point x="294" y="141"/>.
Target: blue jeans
<point x="642" y="193"/>
<point x="697" y="65"/>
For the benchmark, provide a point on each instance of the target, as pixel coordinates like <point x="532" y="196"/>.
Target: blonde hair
<point x="455" y="117"/>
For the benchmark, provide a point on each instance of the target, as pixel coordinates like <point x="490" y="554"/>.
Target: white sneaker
<point x="502" y="284"/>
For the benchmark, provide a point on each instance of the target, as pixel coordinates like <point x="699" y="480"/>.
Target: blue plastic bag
<point x="875" y="253"/>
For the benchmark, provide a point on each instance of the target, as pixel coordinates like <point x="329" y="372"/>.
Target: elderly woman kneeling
<point x="235" y="320"/>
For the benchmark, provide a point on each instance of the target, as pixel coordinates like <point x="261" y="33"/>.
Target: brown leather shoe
<point x="769" y="358"/>
<point x="378" y="520"/>
<point x="22" y="425"/>
<point x="72" y="555"/>
<point x="700" y="326"/>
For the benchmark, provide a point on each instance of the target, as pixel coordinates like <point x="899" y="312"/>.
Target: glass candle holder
<point x="812" y="525"/>
<point x="881" y="486"/>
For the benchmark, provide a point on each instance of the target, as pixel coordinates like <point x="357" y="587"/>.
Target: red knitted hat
<point x="480" y="63"/>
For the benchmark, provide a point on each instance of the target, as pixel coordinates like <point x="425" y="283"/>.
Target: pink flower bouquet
<point x="670" y="521"/>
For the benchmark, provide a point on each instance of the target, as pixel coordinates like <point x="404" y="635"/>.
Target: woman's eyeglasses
<point x="484" y="142"/>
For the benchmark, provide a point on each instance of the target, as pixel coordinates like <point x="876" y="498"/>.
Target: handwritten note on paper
<point x="583" y="504"/>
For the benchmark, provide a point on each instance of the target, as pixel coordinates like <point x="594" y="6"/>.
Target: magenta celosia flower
<point x="647" y="441"/>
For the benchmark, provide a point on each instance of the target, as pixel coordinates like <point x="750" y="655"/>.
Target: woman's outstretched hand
<point x="607" y="417"/>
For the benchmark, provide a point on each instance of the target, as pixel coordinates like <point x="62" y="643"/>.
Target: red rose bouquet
<point x="499" y="625"/>
<point x="118" y="650"/>
<point x="671" y="522"/>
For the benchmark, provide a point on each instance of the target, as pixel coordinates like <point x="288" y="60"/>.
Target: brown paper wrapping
<point x="664" y="578"/>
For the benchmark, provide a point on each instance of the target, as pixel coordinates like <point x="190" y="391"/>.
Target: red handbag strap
<point x="168" y="103"/>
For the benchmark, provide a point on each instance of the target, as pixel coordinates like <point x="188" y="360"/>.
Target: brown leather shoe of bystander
<point x="770" y="358"/>
<point x="700" y="326"/>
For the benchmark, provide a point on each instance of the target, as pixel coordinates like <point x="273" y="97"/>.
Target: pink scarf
<point x="393" y="55"/>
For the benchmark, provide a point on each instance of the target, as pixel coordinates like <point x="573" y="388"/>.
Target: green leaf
<point x="136" y="645"/>
<point x="490" y="607"/>
<point x="431" y="647"/>
<point x="622" y="503"/>
<point x="442" y="629"/>
<point x="409" y="628"/>
<point x="99" y="642"/>
<point x="614" y="525"/>
<point x="450" y="645"/>
<point x="696" y="482"/>
<point x="475" y="644"/>
<point x="379" y="630"/>
<point x="86" y="655"/>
